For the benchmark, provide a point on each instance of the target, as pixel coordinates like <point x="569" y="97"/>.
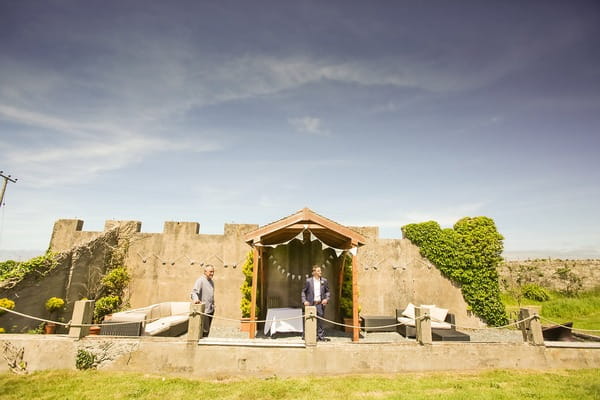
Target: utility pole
<point x="6" y="179"/>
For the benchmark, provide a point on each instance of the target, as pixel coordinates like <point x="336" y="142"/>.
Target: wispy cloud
<point x="309" y="125"/>
<point x="82" y="150"/>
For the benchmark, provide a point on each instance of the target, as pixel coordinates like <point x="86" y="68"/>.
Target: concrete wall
<point x="77" y="275"/>
<point x="165" y="265"/>
<point x="178" y="358"/>
<point x="392" y="273"/>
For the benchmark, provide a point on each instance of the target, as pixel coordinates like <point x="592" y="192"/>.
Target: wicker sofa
<point x="161" y="319"/>
<point x="442" y="324"/>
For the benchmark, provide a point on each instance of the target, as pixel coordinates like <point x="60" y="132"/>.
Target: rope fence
<point x="516" y="324"/>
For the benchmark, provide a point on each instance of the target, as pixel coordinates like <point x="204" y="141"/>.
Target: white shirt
<point x="317" y="285"/>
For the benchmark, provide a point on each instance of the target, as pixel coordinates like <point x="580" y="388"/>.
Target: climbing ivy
<point x="13" y="272"/>
<point x="246" y="288"/>
<point x="468" y="254"/>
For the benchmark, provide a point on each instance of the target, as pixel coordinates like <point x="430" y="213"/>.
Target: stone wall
<point x="77" y="275"/>
<point x="164" y="266"/>
<point x="543" y="272"/>
<point x="174" y="357"/>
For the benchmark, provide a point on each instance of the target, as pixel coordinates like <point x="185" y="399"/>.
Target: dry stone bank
<point x="546" y="272"/>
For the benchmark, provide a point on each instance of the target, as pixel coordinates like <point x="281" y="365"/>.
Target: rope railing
<point x="193" y="313"/>
<point x="569" y="327"/>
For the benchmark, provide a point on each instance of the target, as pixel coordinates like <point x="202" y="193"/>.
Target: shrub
<point x="346" y="304"/>
<point x="116" y="280"/>
<point x="246" y="288"/>
<point x="106" y="305"/>
<point x="54" y="304"/>
<point x="535" y="292"/>
<point x="573" y="283"/>
<point x="6" y="303"/>
<point x="85" y="360"/>
<point x="469" y="255"/>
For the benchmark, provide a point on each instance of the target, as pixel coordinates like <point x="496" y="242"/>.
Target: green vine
<point x="246" y="288"/>
<point x="469" y="255"/>
<point x="346" y="297"/>
<point x="13" y="272"/>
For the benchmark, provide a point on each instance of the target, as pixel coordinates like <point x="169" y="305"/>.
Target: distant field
<point x="583" y="310"/>
<point x="571" y="384"/>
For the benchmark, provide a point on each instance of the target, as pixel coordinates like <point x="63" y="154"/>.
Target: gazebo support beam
<point x="257" y="259"/>
<point x="355" y="322"/>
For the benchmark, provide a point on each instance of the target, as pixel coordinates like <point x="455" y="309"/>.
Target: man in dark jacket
<point x="316" y="293"/>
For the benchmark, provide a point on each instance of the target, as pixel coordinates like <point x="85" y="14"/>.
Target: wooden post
<point x="423" y="325"/>
<point x="355" y="322"/>
<point x="255" y="255"/>
<point x="532" y="328"/>
<point x="195" y="325"/>
<point x="310" y="325"/>
<point x="83" y="311"/>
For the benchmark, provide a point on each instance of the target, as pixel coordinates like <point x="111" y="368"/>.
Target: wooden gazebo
<point x="302" y="222"/>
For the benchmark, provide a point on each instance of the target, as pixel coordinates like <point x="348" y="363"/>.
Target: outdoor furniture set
<point x="161" y="319"/>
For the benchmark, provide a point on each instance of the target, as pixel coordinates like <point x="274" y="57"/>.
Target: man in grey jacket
<point x="204" y="292"/>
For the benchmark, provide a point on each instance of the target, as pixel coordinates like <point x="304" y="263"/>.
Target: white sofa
<point x="161" y="319"/>
<point x="438" y="316"/>
<point x="443" y="325"/>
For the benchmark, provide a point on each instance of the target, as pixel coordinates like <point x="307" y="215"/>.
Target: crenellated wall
<point x="164" y="266"/>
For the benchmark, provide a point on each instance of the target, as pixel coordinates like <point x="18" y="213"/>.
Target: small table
<point x="378" y="323"/>
<point x="283" y="320"/>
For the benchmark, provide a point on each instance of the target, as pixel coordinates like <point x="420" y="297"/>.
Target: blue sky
<point x="370" y="113"/>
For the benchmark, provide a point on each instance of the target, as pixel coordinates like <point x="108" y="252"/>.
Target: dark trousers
<point x="206" y="322"/>
<point x="320" y="313"/>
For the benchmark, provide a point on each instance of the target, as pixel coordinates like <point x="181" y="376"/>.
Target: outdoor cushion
<point x="409" y="311"/>
<point x="438" y="314"/>
<point x="180" y="308"/>
<point x="127" y="316"/>
<point x="163" y="324"/>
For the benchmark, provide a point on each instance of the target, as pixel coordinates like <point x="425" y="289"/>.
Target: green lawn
<point x="583" y="310"/>
<point x="564" y="384"/>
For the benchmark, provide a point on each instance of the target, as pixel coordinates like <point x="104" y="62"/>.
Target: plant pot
<point x="49" y="328"/>
<point x="348" y="321"/>
<point x="245" y="325"/>
<point x="94" y="330"/>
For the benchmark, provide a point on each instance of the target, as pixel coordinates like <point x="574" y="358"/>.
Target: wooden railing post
<point x="532" y="328"/>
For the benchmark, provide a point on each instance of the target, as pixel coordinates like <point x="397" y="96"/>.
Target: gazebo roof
<point x="307" y="221"/>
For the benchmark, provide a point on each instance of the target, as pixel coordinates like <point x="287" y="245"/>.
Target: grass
<point x="583" y="310"/>
<point x="564" y="384"/>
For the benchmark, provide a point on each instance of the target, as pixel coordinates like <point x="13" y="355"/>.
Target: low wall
<point x="545" y="272"/>
<point x="180" y="358"/>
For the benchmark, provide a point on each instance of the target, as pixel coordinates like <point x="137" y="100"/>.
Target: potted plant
<point x="104" y="306"/>
<point x="246" y="289"/>
<point x="53" y="305"/>
<point x="8" y="305"/>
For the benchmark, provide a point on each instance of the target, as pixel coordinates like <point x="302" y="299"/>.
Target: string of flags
<point x="207" y="261"/>
<point x="313" y="237"/>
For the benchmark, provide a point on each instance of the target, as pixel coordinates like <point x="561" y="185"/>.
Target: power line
<point x="6" y="179"/>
